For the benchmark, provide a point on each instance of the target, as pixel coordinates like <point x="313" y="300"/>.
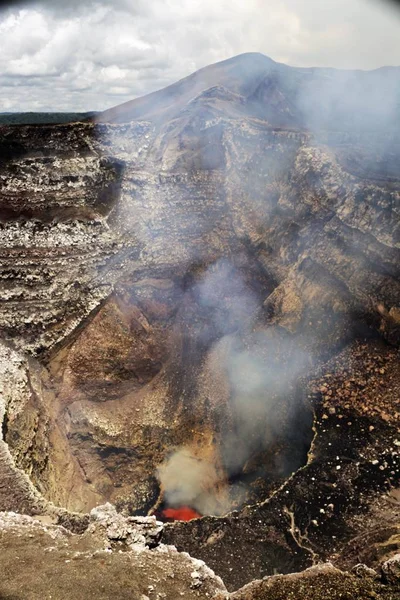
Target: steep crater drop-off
<point x="172" y="289"/>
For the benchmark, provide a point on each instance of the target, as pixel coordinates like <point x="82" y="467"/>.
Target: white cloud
<point x="91" y="55"/>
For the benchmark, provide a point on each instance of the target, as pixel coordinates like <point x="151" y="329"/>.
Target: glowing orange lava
<point x="183" y="513"/>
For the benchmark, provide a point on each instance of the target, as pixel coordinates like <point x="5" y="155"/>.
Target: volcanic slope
<point x="201" y="308"/>
<point x="253" y="85"/>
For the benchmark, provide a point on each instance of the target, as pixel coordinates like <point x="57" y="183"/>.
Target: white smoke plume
<point x="261" y="367"/>
<point x="188" y="480"/>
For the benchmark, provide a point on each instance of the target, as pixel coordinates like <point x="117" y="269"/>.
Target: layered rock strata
<point x="213" y="282"/>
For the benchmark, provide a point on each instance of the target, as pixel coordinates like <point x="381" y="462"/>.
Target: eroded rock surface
<point x="323" y="581"/>
<point x="217" y="285"/>
<point x="341" y="506"/>
<point x="124" y="558"/>
<point x="111" y="560"/>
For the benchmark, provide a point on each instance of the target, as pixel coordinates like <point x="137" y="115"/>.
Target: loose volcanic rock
<point x="203" y="303"/>
<point x="391" y="570"/>
<point x="337" y="507"/>
<point x="316" y="583"/>
<point x="106" y="561"/>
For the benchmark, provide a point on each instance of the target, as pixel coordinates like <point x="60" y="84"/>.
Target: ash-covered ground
<point x="200" y="313"/>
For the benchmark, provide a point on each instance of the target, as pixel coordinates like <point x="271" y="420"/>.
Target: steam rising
<point x="261" y="368"/>
<point x="191" y="481"/>
<point x="209" y="179"/>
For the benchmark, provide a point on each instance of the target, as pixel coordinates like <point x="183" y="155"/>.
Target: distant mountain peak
<point x="253" y="85"/>
<point x="249" y="56"/>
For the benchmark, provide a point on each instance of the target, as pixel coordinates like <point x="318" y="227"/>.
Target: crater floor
<point x="201" y="310"/>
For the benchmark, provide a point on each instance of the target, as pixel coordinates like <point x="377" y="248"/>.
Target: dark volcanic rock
<point x="218" y="279"/>
<point x="317" y="583"/>
<point x="338" y="506"/>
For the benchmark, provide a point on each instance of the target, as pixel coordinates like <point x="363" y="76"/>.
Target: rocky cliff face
<point x="200" y="302"/>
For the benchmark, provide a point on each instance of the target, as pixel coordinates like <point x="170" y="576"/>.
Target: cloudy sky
<point x="90" y="55"/>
